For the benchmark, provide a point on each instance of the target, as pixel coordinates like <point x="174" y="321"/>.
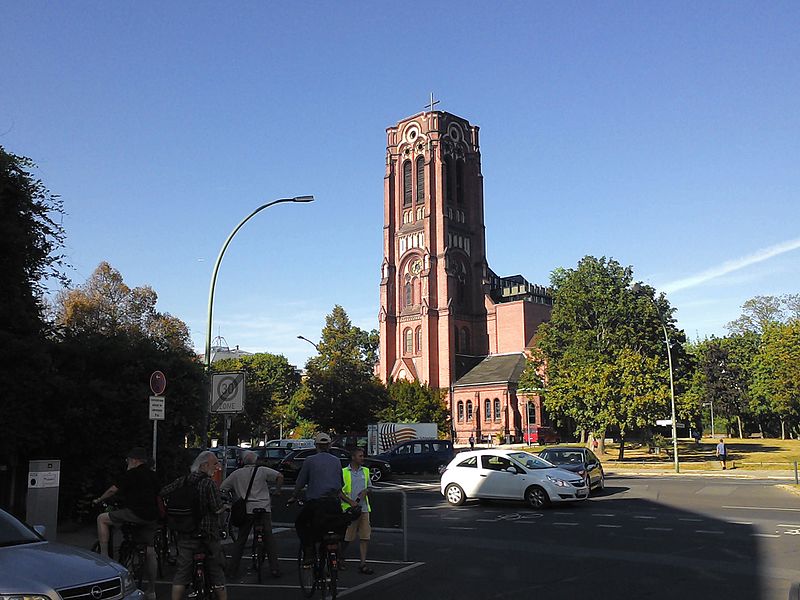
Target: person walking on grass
<point x="722" y="454"/>
<point x="356" y="487"/>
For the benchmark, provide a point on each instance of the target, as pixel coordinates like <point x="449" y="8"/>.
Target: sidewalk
<point x="668" y="471"/>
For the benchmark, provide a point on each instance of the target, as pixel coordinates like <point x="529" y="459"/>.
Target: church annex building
<point x="446" y="319"/>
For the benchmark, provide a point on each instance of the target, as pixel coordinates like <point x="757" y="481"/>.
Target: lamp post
<point x="219" y="261"/>
<point x="638" y="290"/>
<point x="305" y="339"/>
<point x="711" y="404"/>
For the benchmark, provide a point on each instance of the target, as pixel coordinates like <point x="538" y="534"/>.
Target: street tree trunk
<point x="739" y="419"/>
<point x="783" y="429"/>
<point x="621" y="447"/>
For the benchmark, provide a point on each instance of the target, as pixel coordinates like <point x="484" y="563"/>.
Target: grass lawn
<point x="753" y="454"/>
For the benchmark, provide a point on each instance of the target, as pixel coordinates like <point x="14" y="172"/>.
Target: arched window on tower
<point x="469" y="411"/>
<point x="460" y="182"/>
<point x="461" y="285"/>
<point x="408" y="294"/>
<point x="408" y="341"/>
<point x="463" y="341"/>
<point x="460" y="411"/>
<point x="496" y="409"/>
<point x="418" y="340"/>
<point x="450" y="181"/>
<point x="421" y="180"/>
<point x="487" y="410"/>
<point x="407" y="183"/>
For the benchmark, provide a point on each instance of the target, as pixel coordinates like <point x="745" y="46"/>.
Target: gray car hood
<point x="41" y="566"/>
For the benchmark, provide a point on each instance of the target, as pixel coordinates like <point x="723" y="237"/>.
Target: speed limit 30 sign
<point x="227" y="392"/>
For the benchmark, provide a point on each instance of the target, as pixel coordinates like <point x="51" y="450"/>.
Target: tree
<point x="776" y="377"/>
<point x="271" y="384"/>
<point x="415" y="402"/>
<point x="760" y="312"/>
<point x="598" y="332"/>
<point x="342" y="392"/>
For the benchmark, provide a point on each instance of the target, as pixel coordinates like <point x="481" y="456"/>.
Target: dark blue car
<point x="419" y="456"/>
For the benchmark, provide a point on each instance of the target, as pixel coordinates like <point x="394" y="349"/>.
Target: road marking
<point x="765" y="535"/>
<point x="788" y="525"/>
<point x="740" y="522"/>
<point x="658" y="528"/>
<point x="464" y="528"/>
<point x="642" y="517"/>
<point x="381" y="578"/>
<point x="486" y="520"/>
<point x="691" y="520"/>
<point x="557" y="523"/>
<point x="761" y="508"/>
<point x="603" y="515"/>
<point x="607" y="526"/>
<point x="714" y="531"/>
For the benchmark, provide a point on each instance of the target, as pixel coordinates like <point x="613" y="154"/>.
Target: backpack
<point x="183" y="508"/>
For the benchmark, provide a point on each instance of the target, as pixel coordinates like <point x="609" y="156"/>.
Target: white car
<point x="509" y="475"/>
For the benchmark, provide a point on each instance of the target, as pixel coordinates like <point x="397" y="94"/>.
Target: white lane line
<point x="464" y="528"/>
<point x="381" y="578"/>
<point x="712" y="531"/>
<point x="603" y="515"/>
<point x="765" y="535"/>
<point x="760" y="508"/>
<point x="788" y="525"/>
<point x="559" y="523"/>
<point x="691" y="520"/>
<point x="607" y="526"/>
<point x="740" y="522"/>
<point x="642" y="517"/>
<point x="658" y="528"/>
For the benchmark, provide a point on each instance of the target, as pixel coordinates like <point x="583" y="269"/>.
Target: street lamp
<point x="300" y="337"/>
<point x="711" y="404"/>
<point x="639" y="291"/>
<point x="219" y="261"/>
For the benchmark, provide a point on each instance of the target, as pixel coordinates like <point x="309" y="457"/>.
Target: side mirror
<point x="512" y="470"/>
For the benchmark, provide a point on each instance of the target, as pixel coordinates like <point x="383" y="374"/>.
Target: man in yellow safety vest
<point x="356" y="487"/>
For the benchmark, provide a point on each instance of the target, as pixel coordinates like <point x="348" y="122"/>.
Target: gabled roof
<point x="495" y="368"/>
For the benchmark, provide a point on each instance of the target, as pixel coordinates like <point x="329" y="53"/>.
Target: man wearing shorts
<point x="356" y="488"/>
<point x="137" y="488"/>
<point x="210" y="505"/>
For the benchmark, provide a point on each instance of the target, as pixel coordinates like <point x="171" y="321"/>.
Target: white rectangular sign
<point x="43" y="479"/>
<point x="157" y="408"/>
<point x="227" y="392"/>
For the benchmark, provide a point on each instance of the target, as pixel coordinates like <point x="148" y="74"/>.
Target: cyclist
<point x="239" y="482"/>
<point x="137" y="488"/>
<point x="209" y="506"/>
<point x="321" y="475"/>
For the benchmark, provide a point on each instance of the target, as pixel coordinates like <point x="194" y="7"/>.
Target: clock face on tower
<point x="416" y="267"/>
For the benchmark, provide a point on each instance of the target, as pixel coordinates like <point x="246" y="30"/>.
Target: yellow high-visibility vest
<point x="347" y="475"/>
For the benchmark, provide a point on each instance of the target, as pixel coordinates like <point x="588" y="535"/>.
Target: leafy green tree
<point x="414" y="402"/>
<point x="343" y="393"/>
<point x="776" y="377"/>
<point x="760" y="312"/>
<point x="271" y="384"/>
<point x="599" y="329"/>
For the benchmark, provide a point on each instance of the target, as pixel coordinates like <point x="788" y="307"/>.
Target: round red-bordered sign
<point x="158" y="383"/>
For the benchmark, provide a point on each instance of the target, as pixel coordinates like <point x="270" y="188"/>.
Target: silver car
<point x="33" y="568"/>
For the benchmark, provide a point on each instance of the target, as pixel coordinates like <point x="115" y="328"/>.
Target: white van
<point x="291" y="444"/>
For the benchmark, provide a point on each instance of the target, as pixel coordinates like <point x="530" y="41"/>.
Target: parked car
<point x="419" y="456"/>
<point x="271" y="457"/>
<point x="349" y="441"/>
<point x="290" y="466"/>
<point x="509" y="475"/>
<point x="578" y="460"/>
<point x="538" y="434"/>
<point x="234" y="458"/>
<point x="290" y="443"/>
<point x="32" y="567"/>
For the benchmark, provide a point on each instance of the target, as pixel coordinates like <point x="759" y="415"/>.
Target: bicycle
<point x="227" y="529"/>
<point x="323" y="572"/>
<point x="163" y="540"/>
<point x="132" y="553"/>
<point x="201" y="588"/>
<point x="259" y="541"/>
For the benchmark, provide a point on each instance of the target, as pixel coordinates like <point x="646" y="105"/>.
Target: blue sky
<point x="665" y="135"/>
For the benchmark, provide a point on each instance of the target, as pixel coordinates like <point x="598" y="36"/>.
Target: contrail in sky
<point x="731" y="265"/>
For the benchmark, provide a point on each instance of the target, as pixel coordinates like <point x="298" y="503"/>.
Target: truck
<point x="382" y="437"/>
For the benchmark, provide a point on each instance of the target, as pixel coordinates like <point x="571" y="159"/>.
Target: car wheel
<point x="375" y="474"/>
<point x="537" y="497"/>
<point x="454" y="494"/>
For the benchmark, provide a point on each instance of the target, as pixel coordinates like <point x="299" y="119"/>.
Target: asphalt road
<point x="645" y="537"/>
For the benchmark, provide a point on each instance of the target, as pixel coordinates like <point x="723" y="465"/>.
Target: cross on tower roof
<point x="431" y="104"/>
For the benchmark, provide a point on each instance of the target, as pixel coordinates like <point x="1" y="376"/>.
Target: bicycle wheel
<point x="333" y="573"/>
<point x="137" y="565"/>
<point x="160" y="548"/>
<point x="306" y="574"/>
<point x="260" y="555"/>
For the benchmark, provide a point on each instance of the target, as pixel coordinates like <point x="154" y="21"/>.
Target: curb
<point x="719" y="475"/>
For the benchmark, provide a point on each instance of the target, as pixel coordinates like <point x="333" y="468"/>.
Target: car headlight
<point x="23" y="597"/>
<point x="558" y="482"/>
<point x="128" y="583"/>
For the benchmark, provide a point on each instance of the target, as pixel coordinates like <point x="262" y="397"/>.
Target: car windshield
<point x="14" y="533"/>
<point x="530" y="461"/>
<point x="563" y="457"/>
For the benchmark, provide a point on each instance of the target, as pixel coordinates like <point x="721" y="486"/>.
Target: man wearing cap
<point x="138" y="488"/>
<point x="321" y="475"/>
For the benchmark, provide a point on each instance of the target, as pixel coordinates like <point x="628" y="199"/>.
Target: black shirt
<point x="138" y="488"/>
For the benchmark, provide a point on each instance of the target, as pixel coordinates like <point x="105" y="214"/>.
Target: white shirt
<point x="259" y="494"/>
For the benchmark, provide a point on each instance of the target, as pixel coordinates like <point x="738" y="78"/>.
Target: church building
<point x="446" y="319"/>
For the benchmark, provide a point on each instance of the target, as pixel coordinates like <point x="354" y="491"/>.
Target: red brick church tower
<point x="443" y="312"/>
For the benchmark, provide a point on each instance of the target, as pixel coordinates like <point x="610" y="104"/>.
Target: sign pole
<point x="225" y="447"/>
<point x="155" y="437"/>
<point x="158" y="383"/>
